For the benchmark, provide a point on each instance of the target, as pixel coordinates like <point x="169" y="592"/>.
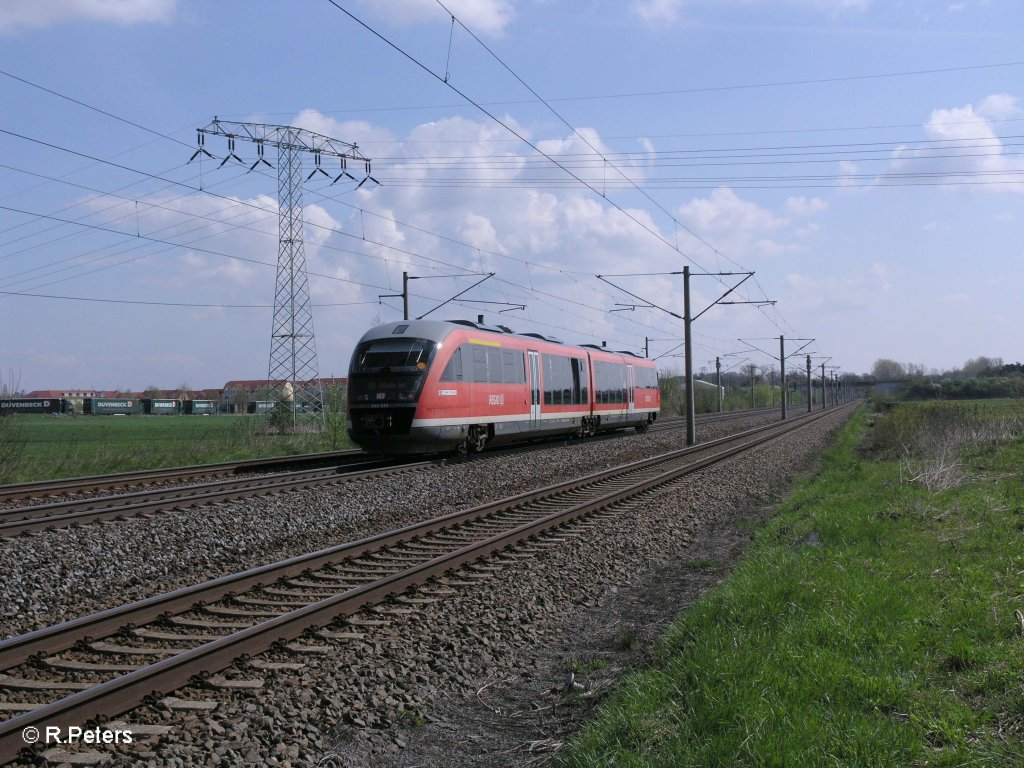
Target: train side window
<point x="584" y="394"/>
<point x="556" y="380"/>
<point x="513" y="371"/>
<point x="494" y="365"/>
<point x="479" y="364"/>
<point x="565" y="364"/>
<point x="610" y="382"/>
<point x="453" y="371"/>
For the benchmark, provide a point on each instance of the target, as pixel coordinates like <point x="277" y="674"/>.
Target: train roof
<point x="439" y="330"/>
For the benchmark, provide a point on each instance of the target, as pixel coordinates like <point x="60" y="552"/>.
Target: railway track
<point x="73" y="485"/>
<point x="19" y="520"/>
<point x="341" y="466"/>
<point x="105" y="658"/>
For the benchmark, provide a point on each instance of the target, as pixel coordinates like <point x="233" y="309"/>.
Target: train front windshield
<point x="389" y="370"/>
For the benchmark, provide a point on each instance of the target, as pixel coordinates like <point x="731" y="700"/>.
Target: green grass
<point x="893" y="644"/>
<point x="37" y="447"/>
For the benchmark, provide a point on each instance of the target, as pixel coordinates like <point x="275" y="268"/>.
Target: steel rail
<point x="123" y="692"/>
<point x="142" y="476"/>
<point x="16" y="521"/>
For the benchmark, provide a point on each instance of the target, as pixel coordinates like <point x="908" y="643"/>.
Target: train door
<point x="534" y="389"/>
<point x="630" y="389"/>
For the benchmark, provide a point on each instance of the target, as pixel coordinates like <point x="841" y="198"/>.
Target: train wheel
<point x="477" y="438"/>
<point x="641" y="428"/>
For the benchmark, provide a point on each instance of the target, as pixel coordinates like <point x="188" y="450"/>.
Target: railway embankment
<point x="876" y="620"/>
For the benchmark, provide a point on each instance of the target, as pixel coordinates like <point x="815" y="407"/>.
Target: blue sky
<point x="860" y="156"/>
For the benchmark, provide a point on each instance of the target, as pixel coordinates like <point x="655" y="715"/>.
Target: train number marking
<point x="495" y="399"/>
<point x="447" y="392"/>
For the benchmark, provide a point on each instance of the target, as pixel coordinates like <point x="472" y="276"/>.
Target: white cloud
<point x="658" y="11"/>
<point x="725" y="211"/>
<point x="205" y="227"/>
<point x="488" y="17"/>
<point x="1000" y="106"/>
<point x="857" y="290"/>
<point x="805" y="206"/>
<point x="15" y="16"/>
<point x="848" y="172"/>
<point x="478" y="231"/>
<point x="746" y="231"/>
<point x="965" y="5"/>
<point x="965" y="147"/>
<point x="667" y="12"/>
<point x="349" y="131"/>
<point x="319" y="224"/>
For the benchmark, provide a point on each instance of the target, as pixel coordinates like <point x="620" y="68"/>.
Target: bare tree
<point x="885" y="368"/>
<point x="977" y="365"/>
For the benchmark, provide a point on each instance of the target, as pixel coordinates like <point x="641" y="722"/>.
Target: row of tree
<point x="885" y="369"/>
<point x="978" y="378"/>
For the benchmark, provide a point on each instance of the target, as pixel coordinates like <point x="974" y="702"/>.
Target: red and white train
<point x="427" y="386"/>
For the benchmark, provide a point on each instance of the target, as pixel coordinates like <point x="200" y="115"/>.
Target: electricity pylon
<point x="293" y="373"/>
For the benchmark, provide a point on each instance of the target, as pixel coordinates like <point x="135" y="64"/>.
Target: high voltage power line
<point x="684" y="91"/>
<point x="412" y="254"/>
<point x="536" y="148"/>
<point x="129" y="238"/>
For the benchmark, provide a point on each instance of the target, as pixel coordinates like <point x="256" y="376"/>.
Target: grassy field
<point x="44" y="447"/>
<point x="874" y="622"/>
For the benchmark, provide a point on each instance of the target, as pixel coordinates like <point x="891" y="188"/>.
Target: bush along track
<point x="877" y="620"/>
